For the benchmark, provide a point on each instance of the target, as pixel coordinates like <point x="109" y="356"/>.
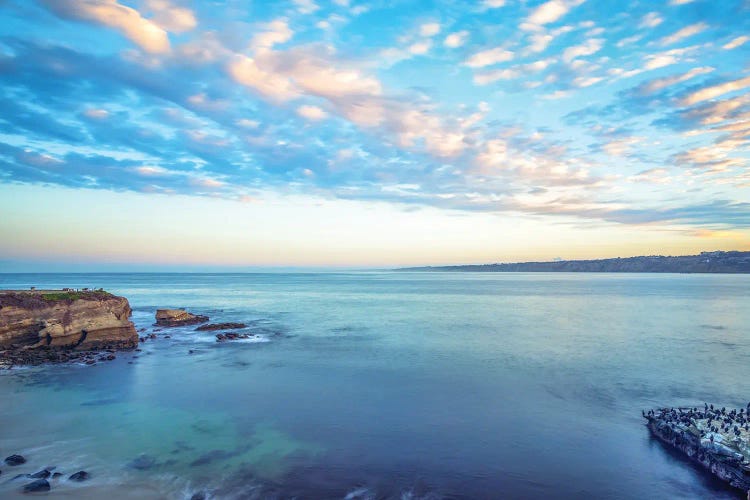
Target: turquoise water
<point x="388" y="385"/>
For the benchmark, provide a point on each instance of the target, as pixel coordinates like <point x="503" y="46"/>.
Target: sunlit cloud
<point x="556" y="108"/>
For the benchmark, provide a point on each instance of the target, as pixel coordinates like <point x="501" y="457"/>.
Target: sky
<point x="171" y="134"/>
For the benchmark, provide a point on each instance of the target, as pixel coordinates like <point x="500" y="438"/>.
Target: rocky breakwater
<point x="714" y="438"/>
<point x="54" y="325"/>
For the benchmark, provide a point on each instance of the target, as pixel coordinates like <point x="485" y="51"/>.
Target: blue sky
<point x="368" y="132"/>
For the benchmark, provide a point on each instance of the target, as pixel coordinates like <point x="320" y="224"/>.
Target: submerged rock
<point x="14" y="460"/>
<point x="42" y="474"/>
<point x="37" y="486"/>
<point x="79" y="476"/>
<point x="212" y="456"/>
<point x="221" y="337"/>
<point x="56" y="475"/>
<point x="143" y="462"/>
<point x="178" y="317"/>
<point x="220" y="326"/>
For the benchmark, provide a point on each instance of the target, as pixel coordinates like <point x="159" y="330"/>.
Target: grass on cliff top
<point x="55" y="296"/>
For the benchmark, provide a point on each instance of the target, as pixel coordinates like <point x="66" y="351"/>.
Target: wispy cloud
<point x="683" y="33"/>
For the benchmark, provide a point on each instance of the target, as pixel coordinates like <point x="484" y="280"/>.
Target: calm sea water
<point x="388" y="385"/>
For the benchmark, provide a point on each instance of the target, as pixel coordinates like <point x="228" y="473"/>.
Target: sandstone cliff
<point x="60" y="319"/>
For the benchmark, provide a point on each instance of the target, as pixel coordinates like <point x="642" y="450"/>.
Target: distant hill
<point x="706" y="262"/>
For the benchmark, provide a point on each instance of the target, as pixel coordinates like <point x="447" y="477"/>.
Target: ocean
<point x="387" y="385"/>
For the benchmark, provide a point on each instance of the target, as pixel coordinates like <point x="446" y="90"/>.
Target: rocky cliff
<point x="86" y="320"/>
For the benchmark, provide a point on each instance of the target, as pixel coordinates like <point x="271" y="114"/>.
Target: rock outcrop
<point x="63" y="320"/>
<point x="178" y="317"/>
<point x="220" y="326"/>
<point x="716" y="439"/>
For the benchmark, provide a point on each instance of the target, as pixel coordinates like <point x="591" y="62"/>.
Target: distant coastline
<point x="705" y="262"/>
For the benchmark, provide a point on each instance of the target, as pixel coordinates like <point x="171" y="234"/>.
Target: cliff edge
<point x="77" y="320"/>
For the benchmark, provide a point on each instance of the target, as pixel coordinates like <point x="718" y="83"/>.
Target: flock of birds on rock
<point x="709" y="421"/>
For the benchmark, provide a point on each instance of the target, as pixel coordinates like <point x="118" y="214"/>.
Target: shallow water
<point x="388" y="385"/>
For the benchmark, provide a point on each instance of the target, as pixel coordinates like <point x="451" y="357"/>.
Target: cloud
<point x="736" y="42"/>
<point x="96" y="114"/>
<point x="306" y="6"/>
<point x="144" y="32"/>
<point x="668" y="81"/>
<point x="493" y="4"/>
<point x="591" y="46"/>
<point x="313" y="113"/>
<point x="456" y="39"/>
<point x="685" y="32"/>
<point x="273" y="33"/>
<point x="651" y="20"/>
<point x="485" y="77"/>
<point x="270" y="84"/>
<point x="228" y="111"/>
<point x="170" y="17"/>
<point x="551" y="11"/>
<point x="707" y="93"/>
<point x="420" y="48"/>
<point x="429" y="29"/>
<point x="489" y="57"/>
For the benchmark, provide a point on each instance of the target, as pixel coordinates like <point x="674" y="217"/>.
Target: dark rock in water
<point x="79" y="476"/>
<point x="220" y="326"/>
<point x="42" y="474"/>
<point x="37" y="486"/>
<point x="198" y="496"/>
<point x="15" y="460"/>
<point x="212" y="456"/>
<point x="221" y="337"/>
<point x="18" y="476"/>
<point x="143" y="462"/>
<point x="178" y="317"/>
<point x="56" y="475"/>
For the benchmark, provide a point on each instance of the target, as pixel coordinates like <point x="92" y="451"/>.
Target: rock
<point x="220" y="326"/>
<point x="48" y="326"/>
<point x="198" y="496"/>
<point x="42" y="474"/>
<point x="212" y="456"/>
<point x="56" y="475"/>
<point x="221" y="337"/>
<point x="14" y="460"/>
<point x="79" y="476"/>
<point x="37" y="486"/>
<point x="143" y="462"/>
<point x="178" y="317"/>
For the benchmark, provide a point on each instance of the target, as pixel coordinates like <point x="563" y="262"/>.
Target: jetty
<point x="718" y="439"/>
